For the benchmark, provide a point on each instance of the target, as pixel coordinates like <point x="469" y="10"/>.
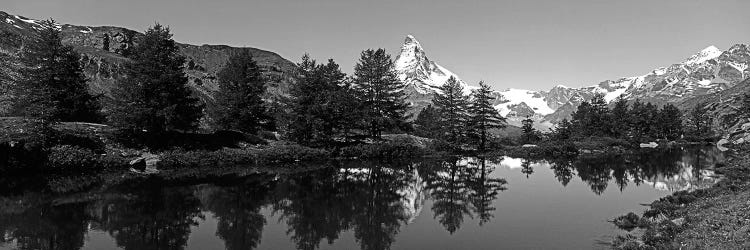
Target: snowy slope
<point x="533" y="99"/>
<point x="419" y="72"/>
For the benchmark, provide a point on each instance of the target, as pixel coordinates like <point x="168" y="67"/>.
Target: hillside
<point x="102" y="53"/>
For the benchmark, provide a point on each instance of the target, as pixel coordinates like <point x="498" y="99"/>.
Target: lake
<point x="451" y="203"/>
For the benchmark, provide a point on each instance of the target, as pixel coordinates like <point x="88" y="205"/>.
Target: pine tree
<point x="154" y="95"/>
<point x="563" y="131"/>
<point x="529" y="132"/>
<point x="240" y="104"/>
<point x="670" y="122"/>
<point x="324" y="105"/>
<point x="620" y="117"/>
<point x="52" y="85"/>
<point x="638" y="121"/>
<point x="698" y="121"/>
<point x="581" y="119"/>
<point x="650" y="115"/>
<point x="381" y="92"/>
<point x="428" y="122"/>
<point x="483" y="115"/>
<point x="452" y="105"/>
<point x="303" y="123"/>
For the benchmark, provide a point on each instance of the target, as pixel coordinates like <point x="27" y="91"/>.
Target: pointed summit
<point x="418" y="71"/>
<point x="706" y="54"/>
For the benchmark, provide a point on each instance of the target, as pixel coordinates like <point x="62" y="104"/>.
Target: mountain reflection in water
<point x="348" y="205"/>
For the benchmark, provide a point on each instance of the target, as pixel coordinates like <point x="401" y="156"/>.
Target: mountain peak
<point x="415" y="69"/>
<point x="706" y="54"/>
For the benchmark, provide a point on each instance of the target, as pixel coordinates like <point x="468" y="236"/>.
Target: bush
<point x="279" y="153"/>
<point x="627" y="222"/>
<point x="399" y="148"/>
<point x="598" y="143"/>
<point x="67" y="157"/>
<point x="188" y="141"/>
<point x="283" y="153"/>
<point x="87" y="141"/>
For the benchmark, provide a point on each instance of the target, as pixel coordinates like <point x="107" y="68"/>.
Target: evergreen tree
<point x="529" y="132"/>
<point x="592" y="118"/>
<point x="52" y="85"/>
<point x="650" y="115"/>
<point x="324" y="105"/>
<point x="670" y="122"/>
<point x="154" y="95"/>
<point x="483" y="115"/>
<point x="563" y="131"/>
<point x="698" y="121"/>
<point x="240" y="105"/>
<point x="428" y="122"/>
<point x="381" y="92"/>
<point x="452" y="105"/>
<point x="620" y="117"/>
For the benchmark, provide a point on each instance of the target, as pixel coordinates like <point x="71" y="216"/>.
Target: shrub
<point x="627" y="222"/>
<point x="67" y="157"/>
<point x="279" y="153"/>
<point x="283" y="153"/>
<point x="86" y="141"/>
<point x="395" y="149"/>
<point x="595" y="142"/>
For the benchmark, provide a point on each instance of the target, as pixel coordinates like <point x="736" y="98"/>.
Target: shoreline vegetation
<point x="717" y="217"/>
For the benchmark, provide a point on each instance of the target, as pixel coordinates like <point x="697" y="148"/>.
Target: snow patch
<point x="517" y="96"/>
<point x="706" y="54"/>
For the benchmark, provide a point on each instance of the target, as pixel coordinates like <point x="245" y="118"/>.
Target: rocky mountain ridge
<point x="103" y="51"/>
<point x="709" y="71"/>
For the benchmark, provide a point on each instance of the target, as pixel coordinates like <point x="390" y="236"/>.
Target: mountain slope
<point x="707" y="72"/>
<point x="102" y="54"/>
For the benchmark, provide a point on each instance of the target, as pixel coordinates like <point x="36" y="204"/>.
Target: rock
<point x="138" y="164"/>
<point x="679" y="221"/>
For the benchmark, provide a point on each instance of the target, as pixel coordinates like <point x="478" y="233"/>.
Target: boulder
<point x="138" y="164"/>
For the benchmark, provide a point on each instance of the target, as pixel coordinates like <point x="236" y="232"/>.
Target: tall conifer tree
<point x="154" y="95"/>
<point x="529" y="132"/>
<point x="381" y="92"/>
<point x="52" y="85"/>
<point x="483" y="115"/>
<point x="240" y="104"/>
<point x="428" y="122"/>
<point x="698" y="121"/>
<point x="670" y="122"/>
<point x="452" y="105"/>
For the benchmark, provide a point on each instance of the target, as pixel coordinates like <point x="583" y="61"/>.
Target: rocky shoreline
<point x="714" y="218"/>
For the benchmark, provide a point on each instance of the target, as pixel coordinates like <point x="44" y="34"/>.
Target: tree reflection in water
<point x="372" y="200"/>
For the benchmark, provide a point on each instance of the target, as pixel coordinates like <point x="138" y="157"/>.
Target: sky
<point x="528" y="44"/>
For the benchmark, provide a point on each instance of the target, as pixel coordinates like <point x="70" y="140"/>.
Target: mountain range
<point x="703" y="76"/>
<point x="710" y="71"/>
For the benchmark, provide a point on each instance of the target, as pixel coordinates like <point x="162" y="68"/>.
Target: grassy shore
<point x="713" y="218"/>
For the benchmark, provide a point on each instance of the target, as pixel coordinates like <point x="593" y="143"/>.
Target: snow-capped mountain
<point x="709" y="71"/>
<point x="420" y="73"/>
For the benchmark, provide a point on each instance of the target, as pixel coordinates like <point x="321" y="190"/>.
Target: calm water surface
<point x="458" y="203"/>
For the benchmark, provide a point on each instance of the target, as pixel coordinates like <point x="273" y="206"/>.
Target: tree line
<point x="634" y="121"/>
<point x="324" y="107"/>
